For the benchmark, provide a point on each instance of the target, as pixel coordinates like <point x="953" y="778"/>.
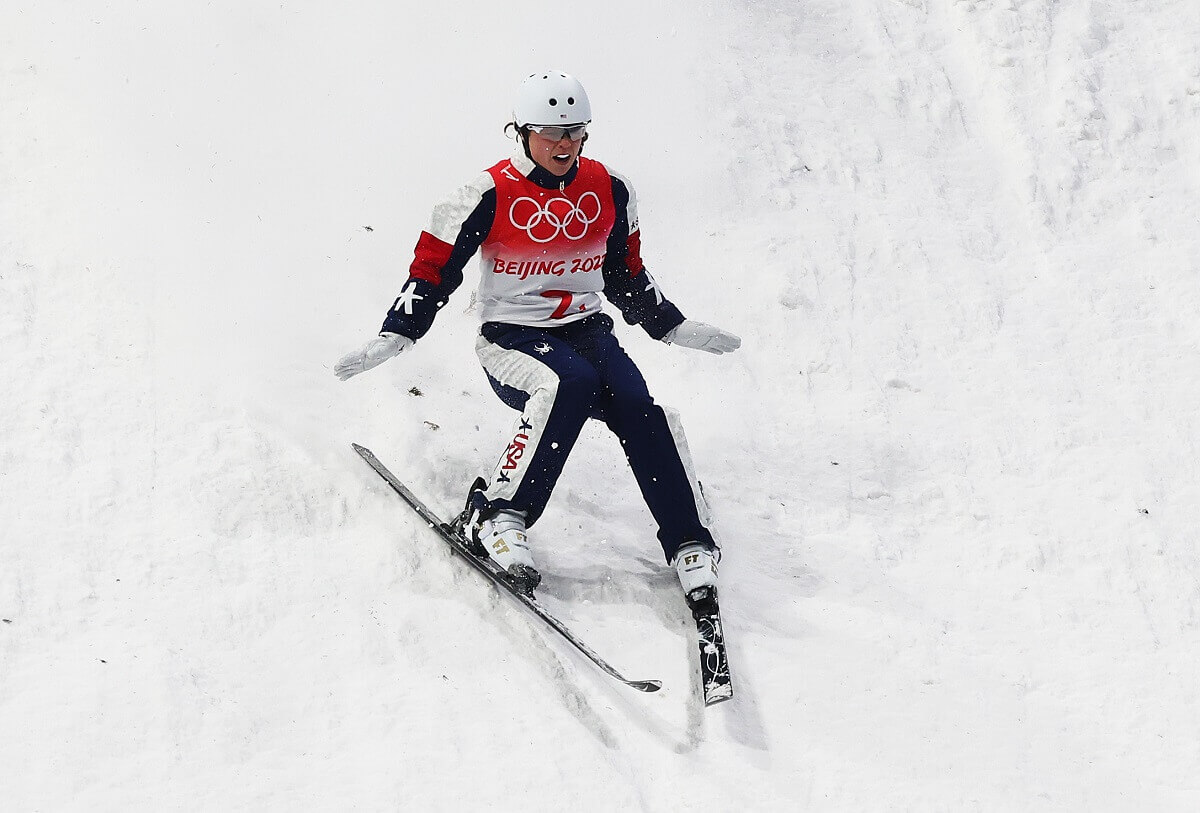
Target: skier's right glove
<point x="699" y="336"/>
<point x="372" y="354"/>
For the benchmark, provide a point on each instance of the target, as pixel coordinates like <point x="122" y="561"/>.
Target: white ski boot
<point x="696" y="566"/>
<point x="503" y="536"/>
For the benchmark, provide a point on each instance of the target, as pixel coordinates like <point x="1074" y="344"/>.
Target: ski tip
<point x="646" y="685"/>
<point x="357" y="448"/>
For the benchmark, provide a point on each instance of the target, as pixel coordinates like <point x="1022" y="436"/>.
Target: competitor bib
<point x="542" y="261"/>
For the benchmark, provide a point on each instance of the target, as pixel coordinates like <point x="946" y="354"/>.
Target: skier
<point x="556" y="230"/>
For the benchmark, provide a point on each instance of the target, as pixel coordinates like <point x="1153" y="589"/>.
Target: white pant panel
<point x="513" y="368"/>
<point x="685" y="456"/>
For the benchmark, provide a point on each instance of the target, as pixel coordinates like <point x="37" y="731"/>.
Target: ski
<point x="714" y="662"/>
<point x="453" y="537"/>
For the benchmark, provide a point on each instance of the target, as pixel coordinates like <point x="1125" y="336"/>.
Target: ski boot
<point x="697" y="569"/>
<point x="696" y="566"/>
<point x="503" y="535"/>
<point x="500" y="536"/>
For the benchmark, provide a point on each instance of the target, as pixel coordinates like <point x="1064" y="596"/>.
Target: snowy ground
<point x="954" y="464"/>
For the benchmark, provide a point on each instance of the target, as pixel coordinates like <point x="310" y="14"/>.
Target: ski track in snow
<point x="953" y="465"/>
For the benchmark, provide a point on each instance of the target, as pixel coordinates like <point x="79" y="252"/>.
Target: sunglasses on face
<point x="574" y="133"/>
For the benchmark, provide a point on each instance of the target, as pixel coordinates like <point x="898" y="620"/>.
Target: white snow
<point x="953" y="464"/>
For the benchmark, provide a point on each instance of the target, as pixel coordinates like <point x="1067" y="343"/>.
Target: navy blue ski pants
<point x="558" y="378"/>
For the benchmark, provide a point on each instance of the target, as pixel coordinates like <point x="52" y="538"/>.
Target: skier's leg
<point x="654" y="444"/>
<point x="653" y="440"/>
<point x="555" y="389"/>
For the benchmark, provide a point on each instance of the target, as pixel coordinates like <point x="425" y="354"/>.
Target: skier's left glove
<point x="700" y="336"/>
<point x="372" y="354"/>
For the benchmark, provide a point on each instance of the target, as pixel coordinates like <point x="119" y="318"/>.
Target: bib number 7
<point x="564" y="302"/>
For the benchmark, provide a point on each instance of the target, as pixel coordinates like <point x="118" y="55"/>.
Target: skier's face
<point x="556" y="156"/>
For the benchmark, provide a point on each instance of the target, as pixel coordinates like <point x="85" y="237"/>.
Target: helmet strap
<point x="523" y="134"/>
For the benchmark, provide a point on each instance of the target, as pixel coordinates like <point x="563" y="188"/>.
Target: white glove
<point x="373" y="353"/>
<point x="700" y="336"/>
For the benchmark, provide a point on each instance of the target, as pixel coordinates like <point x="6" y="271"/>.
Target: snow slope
<point x="954" y="464"/>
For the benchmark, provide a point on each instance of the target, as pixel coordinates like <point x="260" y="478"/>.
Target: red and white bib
<point x="541" y="262"/>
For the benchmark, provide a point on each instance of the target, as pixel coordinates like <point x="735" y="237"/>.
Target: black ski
<point x="453" y="537"/>
<point x="714" y="663"/>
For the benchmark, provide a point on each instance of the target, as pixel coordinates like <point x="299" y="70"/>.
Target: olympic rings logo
<point x="558" y="216"/>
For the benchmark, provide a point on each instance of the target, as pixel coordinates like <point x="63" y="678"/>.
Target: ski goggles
<point x="555" y="133"/>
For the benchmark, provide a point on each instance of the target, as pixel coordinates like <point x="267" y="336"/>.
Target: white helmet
<point x="552" y="97"/>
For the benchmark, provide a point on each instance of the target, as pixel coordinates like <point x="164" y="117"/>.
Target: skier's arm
<point x="627" y="283"/>
<point x="456" y="230"/>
